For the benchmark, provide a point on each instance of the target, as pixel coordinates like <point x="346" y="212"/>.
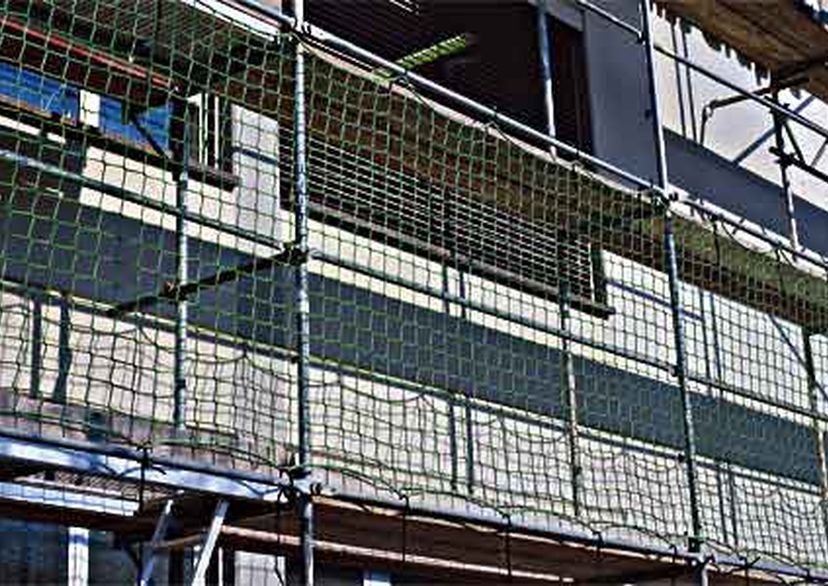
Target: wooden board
<point x="780" y="35"/>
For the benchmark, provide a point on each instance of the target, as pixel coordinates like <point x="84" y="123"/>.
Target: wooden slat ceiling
<point x="780" y="35"/>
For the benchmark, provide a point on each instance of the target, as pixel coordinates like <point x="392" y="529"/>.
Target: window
<point x="45" y="97"/>
<point x="208" y="117"/>
<point x="211" y="131"/>
<point x="569" y="85"/>
<point x="349" y="190"/>
<point x="34" y="91"/>
<point x="155" y="121"/>
<point x="487" y="51"/>
<point x="494" y="61"/>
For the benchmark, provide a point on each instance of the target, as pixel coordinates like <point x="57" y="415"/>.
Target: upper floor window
<point x="485" y="50"/>
<point x="153" y="122"/>
<point x="45" y="97"/>
<point x="33" y="91"/>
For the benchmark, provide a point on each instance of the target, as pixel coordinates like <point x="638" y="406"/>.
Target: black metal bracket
<point x="173" y="292"/>
<point x="159" y="150"/>
<point x="788" y="159"/>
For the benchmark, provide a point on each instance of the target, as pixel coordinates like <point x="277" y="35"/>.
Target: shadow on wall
<point x="356" y="327"/>
<point x="708" y="176"/>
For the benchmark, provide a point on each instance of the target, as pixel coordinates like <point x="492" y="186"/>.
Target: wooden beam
<point x="776" y="34"/>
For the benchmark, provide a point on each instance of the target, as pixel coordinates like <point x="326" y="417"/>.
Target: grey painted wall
<point x="622" y="129"/>
<point x="709" y="176"/>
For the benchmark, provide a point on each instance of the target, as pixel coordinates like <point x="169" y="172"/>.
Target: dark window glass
<point x="569" y="86"/>
<point x="494" y="59"/>
<point x="487" y="51"/>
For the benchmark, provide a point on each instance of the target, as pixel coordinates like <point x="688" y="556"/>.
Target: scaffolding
<point x="329" y="309"/>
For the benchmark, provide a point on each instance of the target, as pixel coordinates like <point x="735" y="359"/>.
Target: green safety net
<point x="491" y="324"/>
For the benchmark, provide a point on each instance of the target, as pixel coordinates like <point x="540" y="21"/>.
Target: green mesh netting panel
<point x="491" y="326"/>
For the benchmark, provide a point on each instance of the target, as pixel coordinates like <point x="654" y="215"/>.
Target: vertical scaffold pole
<point x="671" y="262"/>
<point x="819" y="434"/>
<point x="787" y="193"/>
<point x="302" y="299"/>
<point x="546" y="68"/>
<point x="570" y="400"/>
<point x="182" y="178"/>
<point x="807" y="348"/>
<point x="466" y="399"/>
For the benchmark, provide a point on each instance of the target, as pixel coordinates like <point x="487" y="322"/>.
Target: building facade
<point x="414" y="291"/>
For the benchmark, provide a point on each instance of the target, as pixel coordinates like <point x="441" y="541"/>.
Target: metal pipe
<point x="701" y="575"/>
<point x="191" y="468"/>
<point x="708" y="373"/>
<point x="758" y="233"/>
<point x="245" y="478"/>
<point x="489" y="310"/>
<point x="691" y="100"/>
<point x="545" y="57"/>
<point x="774" y="88"/>
<point x="655" y="102"/>
<point x="301" y="306"/>
<point x="182" y="177"/>
<point x="302" y="298"/>
<point x="548" y="329"/>
<point x="327" y="39"/>
<point x="60" y="393"/>
<point x="769" y="104"/>
<point x="452" y="402"/>
<point x="671" y="262"/>
<point x="721" y="386"/>
<point x="810" y="370"/>
<point x="787" y="193"/>
<point x="802" y="165"/>
<point x="36" y="357"/>
<point x="470" y="446"/>
<point x="609" y="17"/>
<point x="145" y="577"/>
<point x="819" y="435"/>
<point x="681" y="376"/>
<point x="453" y="453"/>
<point x="208" y="543"/>
<point x="597" y="541"/>
<point x="157" y="205"/>
<point x="570" y="400"/>
<point x="467" y="407"/>
<point x="132" y="197"/>
<point x="789" y="114"/>
<point x="679" y="88"/>
<point x="484" y="112"/>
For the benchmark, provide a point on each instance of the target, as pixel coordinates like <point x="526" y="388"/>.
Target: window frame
<point x="75" y="128"/>
<point x="597" y="303"/>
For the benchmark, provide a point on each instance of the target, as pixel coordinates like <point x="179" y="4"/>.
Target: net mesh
<point x="491" y="326"/>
